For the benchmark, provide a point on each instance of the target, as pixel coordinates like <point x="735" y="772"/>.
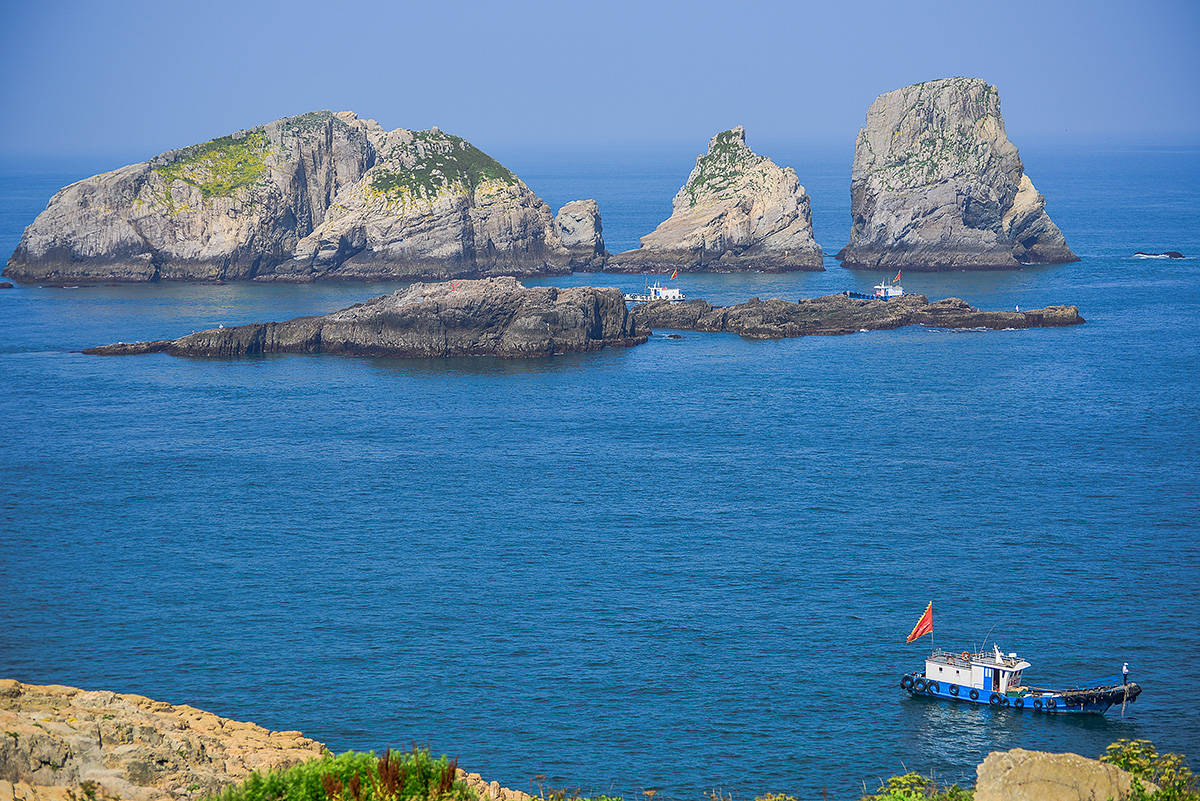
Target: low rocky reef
<point x="840" y="314"/>
<point x="484" y="317"/>
<point x="737" y="211"/>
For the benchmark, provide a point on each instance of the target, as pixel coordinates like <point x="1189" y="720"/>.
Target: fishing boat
<point x="656" y="292"/>
<point x="883" y="291"/>
<point x="996" y="679"/>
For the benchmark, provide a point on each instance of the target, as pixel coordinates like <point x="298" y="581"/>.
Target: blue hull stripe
<point x="1044" y="703"/>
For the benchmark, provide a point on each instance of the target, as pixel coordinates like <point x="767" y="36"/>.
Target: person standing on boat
<point x="1125" y="674"/>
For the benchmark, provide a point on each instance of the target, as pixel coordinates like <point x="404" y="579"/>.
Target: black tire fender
<point x="932" y="687"/>
<point x="906" y="682"/>
<point x="919" y="685"/>
<point x="1019" y="703"/>
<point x="1037" y="704"/>
<point x="1051" y="703"/>
<point x="954" y="689"/>
<point x="974" y="694"/>
<point x="996" y="699"/>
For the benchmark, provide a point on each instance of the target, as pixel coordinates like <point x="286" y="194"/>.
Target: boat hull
<point x="1052" y="703"/>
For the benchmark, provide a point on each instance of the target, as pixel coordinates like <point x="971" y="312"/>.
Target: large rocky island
<point x="322" y="195"/>
<point x="737" y="211"/>
<point x="491" y="316"/>
<point x="937" y="185"/>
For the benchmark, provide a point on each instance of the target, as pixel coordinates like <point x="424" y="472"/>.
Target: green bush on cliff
<point x="443" y="161"/>
<point x="356" y="776"/>
<point x="219" y="167"/>
<point x="915" y="787"/>
<point x="1170" y="772"/>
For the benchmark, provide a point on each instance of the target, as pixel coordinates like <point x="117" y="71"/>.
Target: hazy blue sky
<point x="134" y="78"/>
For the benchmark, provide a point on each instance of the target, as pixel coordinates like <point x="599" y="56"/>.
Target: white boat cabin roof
<point x="1009" y="662"/>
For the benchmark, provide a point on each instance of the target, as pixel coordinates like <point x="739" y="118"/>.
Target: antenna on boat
<point x="989" y="633"/>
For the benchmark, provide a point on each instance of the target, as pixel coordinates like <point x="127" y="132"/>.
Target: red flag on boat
<point x="897" y="278"/>
<point x="924" y="625"/>
<point x="672" y="278"/>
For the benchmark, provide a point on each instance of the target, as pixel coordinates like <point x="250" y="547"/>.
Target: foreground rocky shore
<point x="486" y="317"/>
<point x="66" y="744"/>
<point x="840" y="314"/>
<point x="500" y="317"/>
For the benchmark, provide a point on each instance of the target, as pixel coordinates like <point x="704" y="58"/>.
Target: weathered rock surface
<point x="937" y="185"/>
<point x="1020" y="775"/>
<point x="56" y="738"/>
<point x="492" y="316"/>
<point x="839" y="314"/>
<point x="737" y="211"/>
<point x="320" y="195"/>
<point x="581" y="233"/>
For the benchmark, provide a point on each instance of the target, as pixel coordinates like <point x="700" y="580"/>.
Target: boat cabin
<point x="886" y="291"/>
<point x="991" y="673"/>
<point x="656" y="292"/>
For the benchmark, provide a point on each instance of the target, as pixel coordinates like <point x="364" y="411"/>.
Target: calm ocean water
<point x="684" y="566"/>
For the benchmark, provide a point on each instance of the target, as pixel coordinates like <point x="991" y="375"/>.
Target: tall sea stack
<point x="320" y="195"/>
<point x="937" y="185"/>
<point x="737" y="211"/>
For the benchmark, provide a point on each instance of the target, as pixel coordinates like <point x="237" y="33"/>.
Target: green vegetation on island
<point x="220" y="167"/>
<point x="443" y="161"/>
<point x="720" y="168"/>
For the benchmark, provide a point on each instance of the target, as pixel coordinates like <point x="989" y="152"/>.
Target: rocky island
<point x="737" y="211"/>
<point x="321" y="195"/>
<point x="840" y="314"/>
<point x="582" y="234"/>
<point x="937" y="185"/>
<point x="491" y="316"/>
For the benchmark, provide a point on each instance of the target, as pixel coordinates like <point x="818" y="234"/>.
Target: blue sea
<point x="686" y="566"/>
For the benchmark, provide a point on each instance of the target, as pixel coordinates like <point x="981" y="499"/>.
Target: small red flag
<point x="672" y="278"/>
<point x="924" y="625"/>
<point x="897" y="278"/>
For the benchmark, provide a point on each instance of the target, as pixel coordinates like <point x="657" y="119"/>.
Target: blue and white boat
<point x="997" y="679"/>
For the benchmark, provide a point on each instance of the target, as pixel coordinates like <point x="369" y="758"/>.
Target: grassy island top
<point x="723" y="166"/>
<point x="220" y="167"/>
<point x="434" y="162"/>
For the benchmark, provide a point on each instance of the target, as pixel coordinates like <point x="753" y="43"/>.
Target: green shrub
<point x="356" y="776"/>
<point x="915" y="787"/>
<point x="1170" y="772"/>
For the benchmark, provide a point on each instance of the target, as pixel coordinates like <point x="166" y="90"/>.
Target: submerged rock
<point x="579" y="229"/>
<point x="839" y="314"/>
<point x="937" y="185"/>
<point x="320" y="195"/>
<point x="737" y="211"/>
<point x="493" y="316"/>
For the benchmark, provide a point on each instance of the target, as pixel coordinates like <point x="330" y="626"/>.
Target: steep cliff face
<point x="937" y="185"/>
<point x="578" y="226"/>
<point x="737" y="211"/>
<point x="492" y="316"/>
<point x="321" y="195"/>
